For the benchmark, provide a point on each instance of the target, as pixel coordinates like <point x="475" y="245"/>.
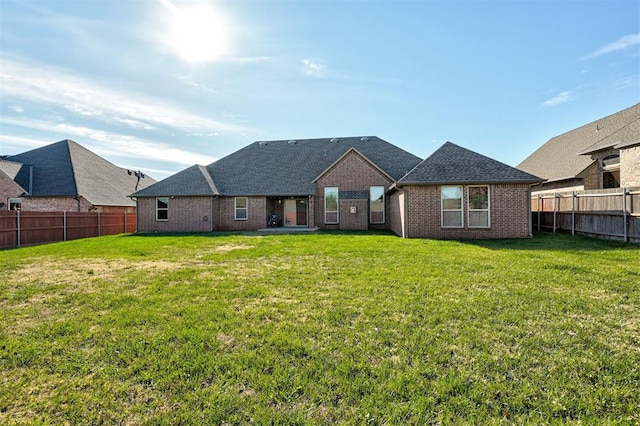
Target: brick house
<point x="65" y="176"/>
<point x="457" y="193"/>
<point x="602" y="154"/>
<point x="355" y="183"/>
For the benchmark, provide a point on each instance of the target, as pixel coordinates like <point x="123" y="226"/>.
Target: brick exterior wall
<point x="8" y="189"/>
<point x="257" y="214"/>
<point x="509" y="213"/>
<point x="351" y="173"/>
<point x="592" y="177"/>
<point x="630" y="167"/>
<point x="193" y="214"/>
<point x="186" y="214"/>
<point x="397" y="212"/>
<point x="55" y="204"/>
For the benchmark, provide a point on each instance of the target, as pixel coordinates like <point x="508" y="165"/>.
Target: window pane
<point x="331" y="199"/>
<point x="162" y="215"/>
<point x="451" y="218"/>
<point x="377" y="217"/>
<point x="478" y="197"/>
<point x="331" y="217"/>
<point x="241" y="213"/>
<point x="376" y="204"/>
<point x="478" y="219"/>
<point x="451" y="197"/>
<point x="241" y="202"/>
<point x="162" y="202"/>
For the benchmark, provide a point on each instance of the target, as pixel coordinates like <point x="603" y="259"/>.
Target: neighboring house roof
<point x="10" y="168"/>
<point x="560" y="158"/>
<point x="66" y="168"/>
<point x="452" y="164"/>
<point x="282" y="167"/>
<point x="627" y="136"/>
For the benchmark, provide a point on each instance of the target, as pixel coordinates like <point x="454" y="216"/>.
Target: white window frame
<point x="488" y="209"/>
<point x="460" y="210"/>
<point x="337" y="211"/>
<point x="14" y="201"/>
<point x="245" y="208"/>
<point x="163" y="209"/>
<point x="371" y="203"/>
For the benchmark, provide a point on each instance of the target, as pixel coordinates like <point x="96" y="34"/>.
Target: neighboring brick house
<point x="602" y="154"/>
<point x="354" y="183"/>
<point x="457" y="193"/>
<point x="64" y="176"/>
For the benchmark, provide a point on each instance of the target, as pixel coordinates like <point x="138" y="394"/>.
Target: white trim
<point x="337" y="205"/>
<point x="164" y="209"/>
<point x="384" y="205"/>
<point x="488" y="209"/>
<point x="245" y="208"/>
<point x="443" y="210"/>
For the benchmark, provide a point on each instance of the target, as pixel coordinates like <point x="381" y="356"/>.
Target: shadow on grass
<point x="550" y="241"/>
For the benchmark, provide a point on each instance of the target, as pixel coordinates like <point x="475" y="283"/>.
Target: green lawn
<point x="322" y="328"/>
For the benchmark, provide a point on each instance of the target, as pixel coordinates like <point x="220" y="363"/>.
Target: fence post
<point x="625" y="225"/>
<point x="539" y="216"/>
<point x="64" y="225"/>
<point x="556" y="204"/>
<point x="573" y="213"/>
<point x="18" y="226"/>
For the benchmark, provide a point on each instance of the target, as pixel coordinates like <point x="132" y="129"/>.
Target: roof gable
<point x="343" y="156"/>
<point x="283" y="167"/>
<point x="559" y="158"/>
<point x="454" y="164"/>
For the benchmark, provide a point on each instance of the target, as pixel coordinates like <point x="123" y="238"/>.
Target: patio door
<point x="295" y="212"/>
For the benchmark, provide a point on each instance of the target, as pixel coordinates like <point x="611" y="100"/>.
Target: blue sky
<point x="159" y="85"/>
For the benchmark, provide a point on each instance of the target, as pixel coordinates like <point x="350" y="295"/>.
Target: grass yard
<point x="321" y="328"/>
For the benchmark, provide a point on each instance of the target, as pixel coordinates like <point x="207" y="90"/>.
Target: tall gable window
<point x="376" y="204"/>
<point x="451" y="204"/>
<point x="331" y="214"/>
<point x="478" y="203"/>
<point x="162" y="208"/>
<point x="241" y="208"/>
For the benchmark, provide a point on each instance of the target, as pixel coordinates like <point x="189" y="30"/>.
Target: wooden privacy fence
<point x="609" y="213"/>
<point x="20" y="228"/>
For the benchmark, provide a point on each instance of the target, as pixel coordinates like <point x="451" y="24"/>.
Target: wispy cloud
<point x="32" y="82"/>
<point x="622" y="43"/>
<point x="314" y="67"/>
<point x="560" y="98"/>
<point x="106" y="142"/>
<point x="16" y="108"/>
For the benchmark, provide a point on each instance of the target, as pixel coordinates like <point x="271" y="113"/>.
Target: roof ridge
<point x="207" y="177"/>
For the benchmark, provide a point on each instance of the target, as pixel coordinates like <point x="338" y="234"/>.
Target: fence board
<point x="48" y="227"/>
<point x="610" y="213"/>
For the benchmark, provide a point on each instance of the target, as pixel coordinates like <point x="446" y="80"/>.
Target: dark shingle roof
<point x="454" y="164"/>
<point x="560" y="157"/>
<point x="66" y="168"/>
<point x="286" y="167"/>
<point x="193" y="181"/>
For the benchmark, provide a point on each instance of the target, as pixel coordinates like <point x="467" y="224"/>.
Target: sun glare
<point x="199" y="34"/>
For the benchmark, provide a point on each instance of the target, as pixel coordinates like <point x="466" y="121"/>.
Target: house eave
<point x="467" y="182"/>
